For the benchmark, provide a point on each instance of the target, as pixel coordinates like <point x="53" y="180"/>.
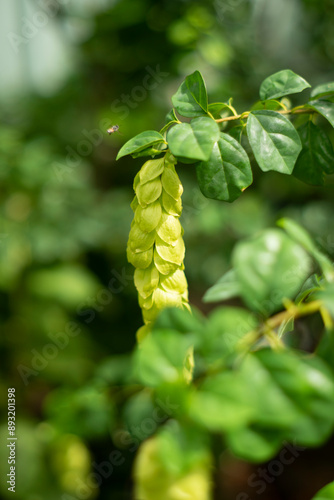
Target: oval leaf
<point x="322" y="90"/>
<point x="227" y="172"/>
<point x="269" y="268"/>
<point x="193" y="140"/>
<point x="274" y="141"/>
<point x="325" y="108"/>
<point x="282" y="83"/>
<point x="170" y="119"/>
<point x="140" y="142"/>
<point x="317" y="156"/>
<point x="227" y="287"/>
<point x="191" y="98"/>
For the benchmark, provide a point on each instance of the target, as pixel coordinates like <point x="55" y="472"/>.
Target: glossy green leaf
<point x="140" y="142"/>
<point x="227" y="287"/>
<point x="282" y="83"/>
<point x="193" y="140"/>
<point x="269" y="268"/>
<point x="326" y="493"/>
<point x="317" y="156"/>
<point x="325" y="108"/>
<point x="191" y="97"/>
<point x="227" y="172"/>
<point x="274" y="141"/>
<point x="324" y="89"/>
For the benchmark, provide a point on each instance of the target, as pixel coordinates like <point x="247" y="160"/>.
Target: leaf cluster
<point x="218" y="140"/>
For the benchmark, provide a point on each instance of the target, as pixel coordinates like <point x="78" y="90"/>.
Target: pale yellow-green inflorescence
<point x="154" y="482"/>
<point x="155" y="246"/>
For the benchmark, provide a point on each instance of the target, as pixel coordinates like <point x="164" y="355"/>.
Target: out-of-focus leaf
<point x="326" y="493"/>
<point x="227" y="287"/>
<point x="269" y="268"/>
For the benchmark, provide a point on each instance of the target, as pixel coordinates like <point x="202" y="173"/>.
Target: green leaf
<point x="326" y="295"/>
<point x="324" y="89"/>
<point x="160" y="358"/>
<point x="140" y="142"/>
<point x="227" y="172"/>
<point x="193" y="140"/>
<point x="307" y="384"/>
<point x="270" y="104"/>
<point x="216" y="108"/>
<point x="299" y="234"/>
<point x="227" y="401"/>
<point x="325" y="348"/>
<point x="170" y="119"/>
<point x="326" y="493"/>
<point x="270" y="396"/>
<point x="150" y="151"/>
<point x="255" y="444"/>
<point x="325" y="108"/>
<point x="237" y="131"/>
<point x="227" y="287"/>
<point x="226" y="326"/>
<point x="316" y="157"/>
<point x="137" y="409"/>
<point x="282" y="83"/>
<point x="312" y="284"/>
<point x="274" y="141"/>
<point x="191" y="98"/>
<point x="182" y="447"/>
<point x="269" y="268"/>
<point x="179" y="319"/>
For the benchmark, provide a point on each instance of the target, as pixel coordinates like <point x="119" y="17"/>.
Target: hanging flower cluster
<point x="153" y="481"/>
<point x="155" y="246"/>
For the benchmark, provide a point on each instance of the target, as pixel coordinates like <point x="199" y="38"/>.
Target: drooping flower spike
<point x="155" y="246"/>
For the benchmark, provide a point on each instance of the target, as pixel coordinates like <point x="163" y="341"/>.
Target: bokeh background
<point x="68" y="306"/>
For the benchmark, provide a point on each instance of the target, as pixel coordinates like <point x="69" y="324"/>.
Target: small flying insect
<point x="113" y="129"/>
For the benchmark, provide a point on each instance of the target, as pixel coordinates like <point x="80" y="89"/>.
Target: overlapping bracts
<point x="155" y="245"/>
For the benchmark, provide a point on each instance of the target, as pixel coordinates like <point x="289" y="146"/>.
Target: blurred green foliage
<point x="65" y="206"/>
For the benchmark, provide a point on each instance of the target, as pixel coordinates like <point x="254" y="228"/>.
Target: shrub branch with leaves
<point x="233" y="374"/>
